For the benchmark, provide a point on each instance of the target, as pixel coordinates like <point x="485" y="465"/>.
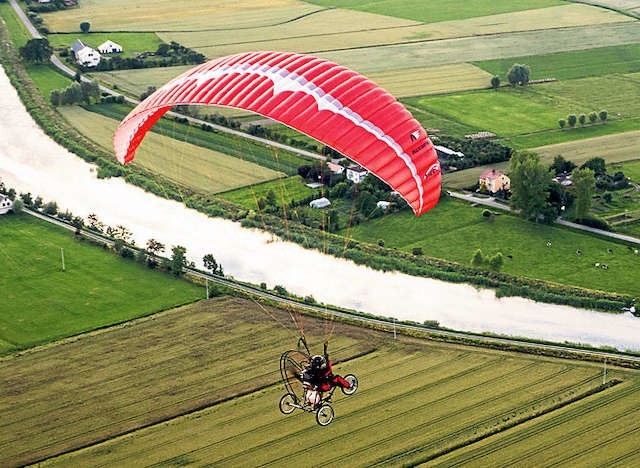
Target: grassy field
<point x="46" y="78"/>
<point x="415" y="399"/>
<point x="132" y="43"/>
<point x="42" y="303"/>
<point x="454" y="230"/>
<point x="187" y="164"/>
<point x="439" y="10"/>
<point x="18" y="32"/>
<point x="181" y="15"/>
<point x="572" y="65"/>
<point x="630" y="168"/>
<point x="612" y="148"/>
<point x="238" y="147"/>
<point x="147" y="371"/>
<point x="291" y="188"/>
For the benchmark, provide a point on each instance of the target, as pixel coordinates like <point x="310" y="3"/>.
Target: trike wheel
<point x="353" y="384"/>
<point x="287" y="404"/>
<point x="324" y="416"/>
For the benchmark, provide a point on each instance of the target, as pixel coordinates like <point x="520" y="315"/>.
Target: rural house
<point x="109" y="47"/>
<point x="383" y="205"/>
<point x="319" y="203"/>
<point x="494" y="180"/>
<point x="356" y="173"/>
<point x="85" y="55"/>
<point x="5" y="204"/>
<point x="335" y="168"/>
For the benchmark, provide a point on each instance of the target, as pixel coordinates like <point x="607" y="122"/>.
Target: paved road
<point x="69" y="71"/>
<point x="32" y="29"/>
<point x="500" y="206"/>
<point x="389" y="326"/>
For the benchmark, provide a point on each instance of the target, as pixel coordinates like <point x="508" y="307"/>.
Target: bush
<point x="572" y="119"/>
<point x="582" y="119"/>
<point x="51" y="208"/>
<point x="603" y="115"/>
<point x="562" y="123"/>
<point x="593" y="117"/>
<point x="594" y="223"/>
<point x="417" y="251"/>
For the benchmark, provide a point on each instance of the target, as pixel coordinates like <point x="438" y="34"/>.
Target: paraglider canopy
<point x="334" y="105"/>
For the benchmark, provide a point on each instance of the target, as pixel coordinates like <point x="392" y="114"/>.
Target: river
<point x="31" y="162"/>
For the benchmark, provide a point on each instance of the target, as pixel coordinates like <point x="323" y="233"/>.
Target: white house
<point x="319" y="203"/>
<point x="109" y="47"/>
<point x="356" y="174"/>
<point x="5" y="204"/>
<point x="85" y="55"/>
<point x="383" y="205"/>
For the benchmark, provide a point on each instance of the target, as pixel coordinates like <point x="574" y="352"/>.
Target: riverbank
<point x="32" y="162"/>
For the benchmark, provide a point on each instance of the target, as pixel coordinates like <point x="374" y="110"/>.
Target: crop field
<point x="181" y="15"/>
<point x="612" y="148"/>
<point x="572" y="65"/>
<point x="416" y="399"/>
<point x="594" y="432"/>
<point x="472" y="49"/>
<point x="454" y="231"/>
<point x="149" y="370"/>
<point x="432" y="80"/>
<point x="187" y="164"/>
<point x="132" y="43"/>
<point x="46" y="78"/>
<point x="238" y="147"/>
<point x="629" y="6"/>
<point x="291" y="188"/>
<point x="439" y="10"/>
<point x="42" y="303"/>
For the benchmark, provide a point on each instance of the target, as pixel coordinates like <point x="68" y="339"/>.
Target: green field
<point x="187" y="164"/>
<point x="290" y="188"/>
<point x="42" y="303"/>
<point x="132" y="43"/>
<point x="439" y="10"/>
<point x="17" y="30"/>
<point x="416" y="398"/>
<point x="630" y="168"/>
<point x="571" y="65"/>
<point x="454" y="230"/>
<point x="46" y="78"/>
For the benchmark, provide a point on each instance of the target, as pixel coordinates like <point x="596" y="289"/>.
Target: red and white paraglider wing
<point x="328" y="102"/>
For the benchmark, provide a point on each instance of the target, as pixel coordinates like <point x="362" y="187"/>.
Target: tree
<point x="572" y="119"/>
<point x="519" y="74"/>
<point x="582" y="119"/>
<point x="496" y="262"/>
<point x="94" y="223"/>
<point x="495" y="82"/>
<point x="150" y="90"/>
<point x="530" y="181"/>
<point x="55" y="97"/>
<point x="36" y="51"/>
<point x="72" y="94"/>
<point x="17" y="205"/>
<point x="477" y="260"/>
<point x="210" y="263"/>
<point x="89" y="90"/>
<point x="85" y="26"/>
<point x="154" y="247"/>
<point x="562" y="123"/>
<point x="163" y="50"/>
<point x="584" y="184"/>
<point x="178" y="259"/>
<point x="271" y="198"/>
<point x="603" y="115"/>
<point x="51" y="208"/>
<point x="593" y="117"/>
<point x="597" y="165"/>
<point x="561" y="165"/>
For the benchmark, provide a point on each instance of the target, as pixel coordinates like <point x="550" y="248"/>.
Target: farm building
<point x="5" y="204"/>
<point x="494" y="180"/>
<point x="320" y="203"/>
<point x="109" y="47"/>
<point x="85" y="55"/>
<point x="356" y="174"/>
<point x="383" y="205"/>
